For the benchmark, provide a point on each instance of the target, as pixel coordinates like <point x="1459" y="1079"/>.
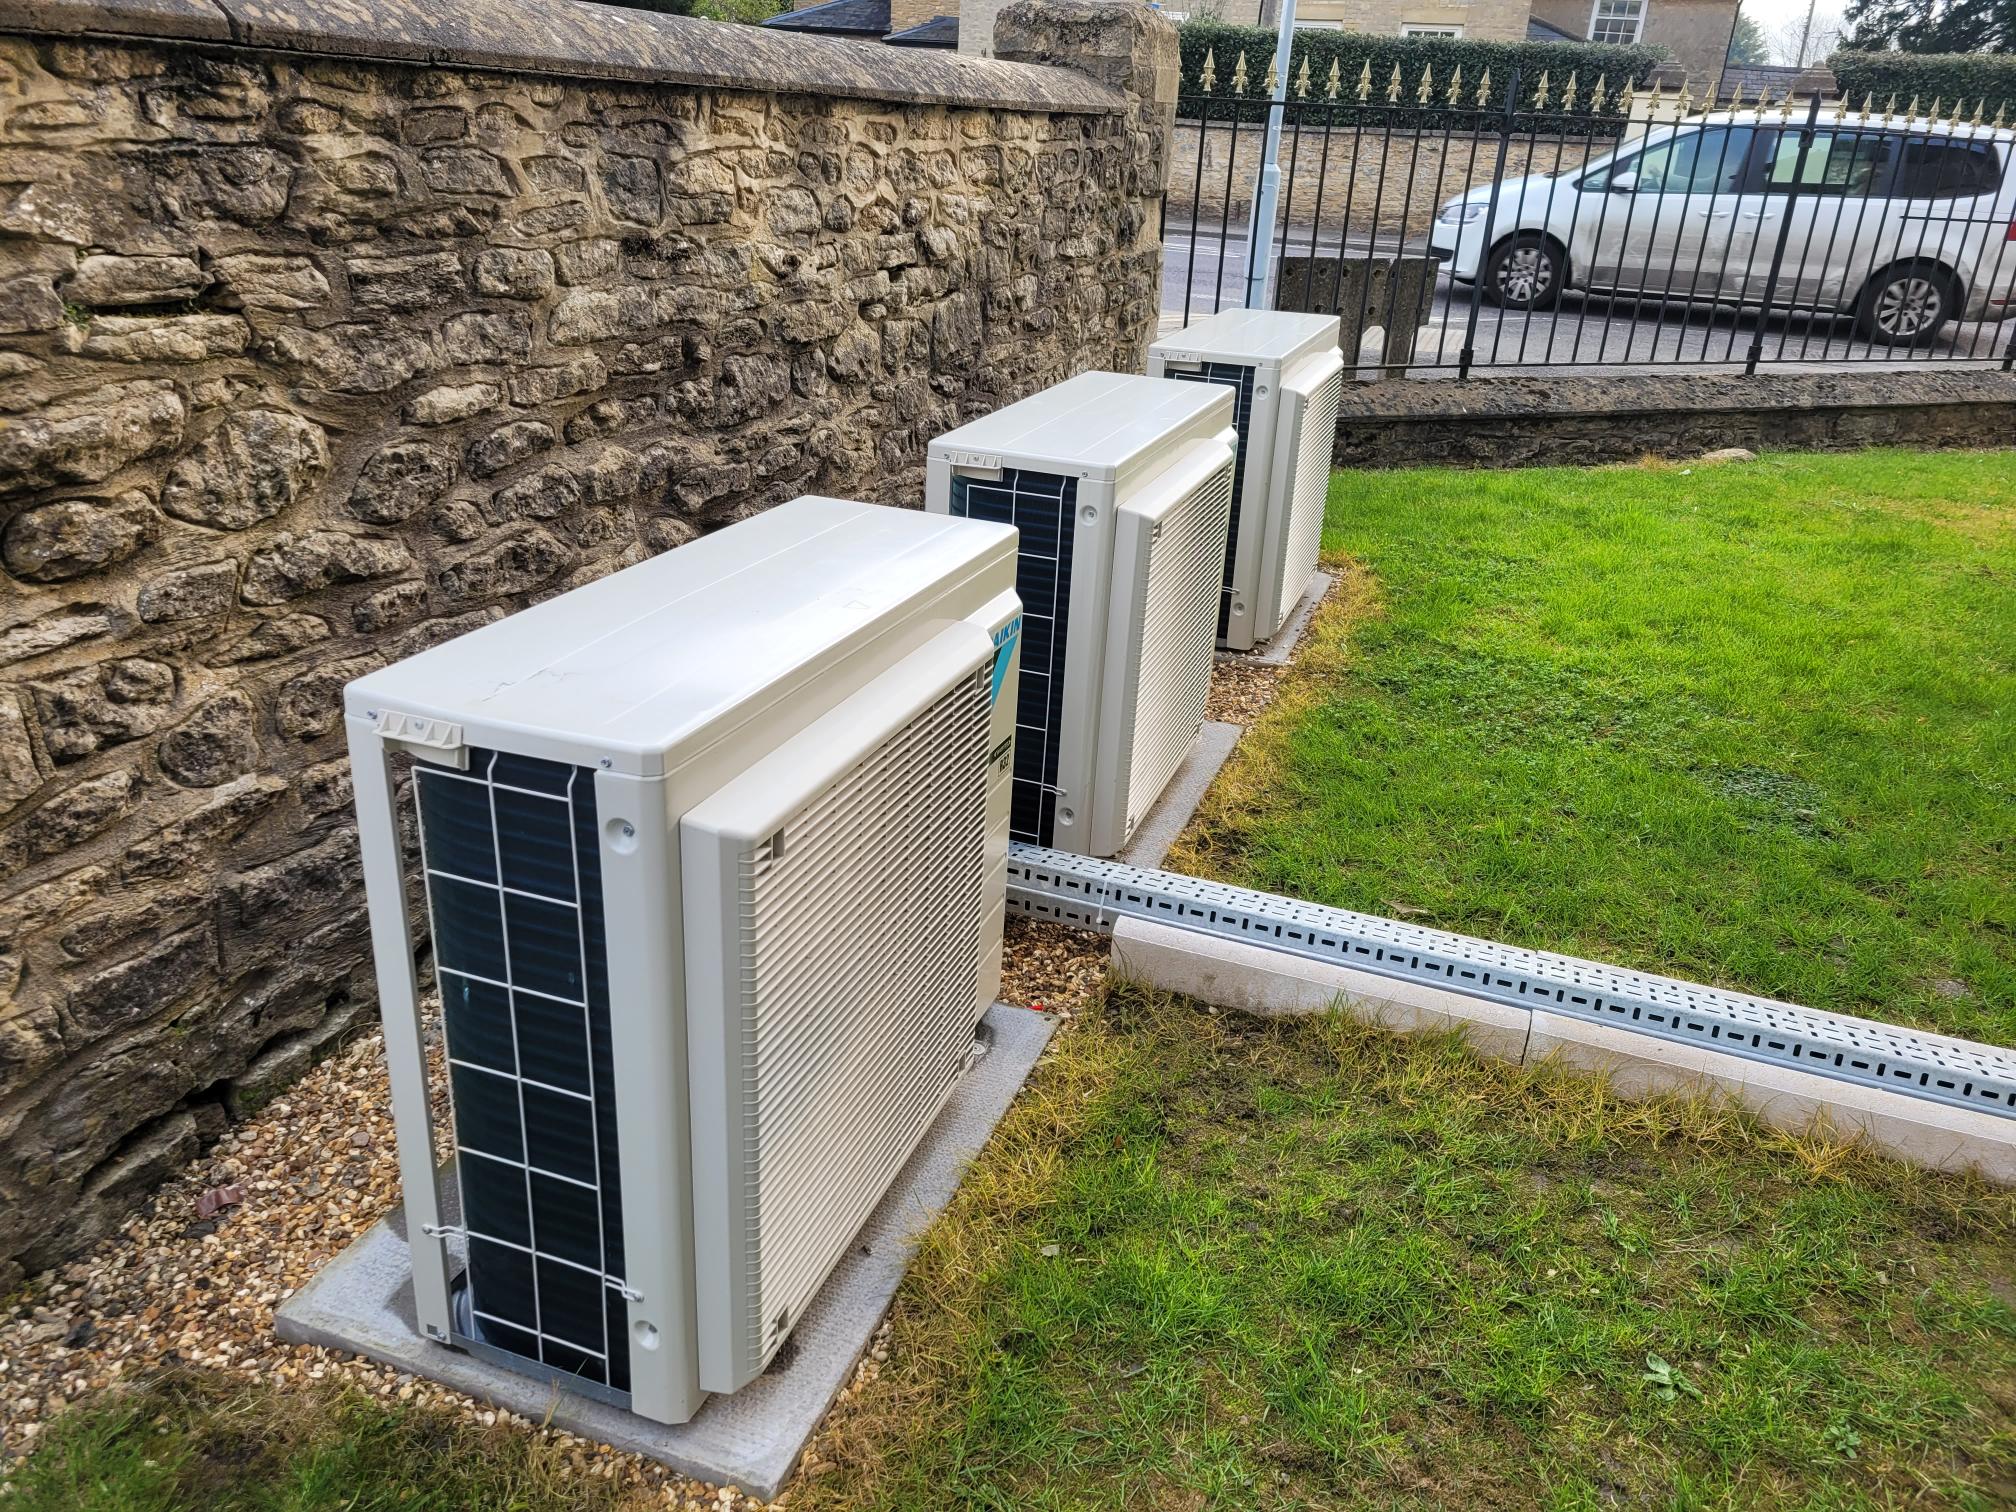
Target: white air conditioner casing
<point x="714" y="852"/>
<point x="1287" y="376"/>
<point x="1119" y="487"/>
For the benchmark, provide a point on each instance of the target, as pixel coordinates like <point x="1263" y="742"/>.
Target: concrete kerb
<point x="1270" y="984"/>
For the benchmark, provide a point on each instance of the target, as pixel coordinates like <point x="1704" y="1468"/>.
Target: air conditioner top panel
<point x="635" y="664"/>
<point x="1095" y="425"/>
<point x="1259" y="338"/>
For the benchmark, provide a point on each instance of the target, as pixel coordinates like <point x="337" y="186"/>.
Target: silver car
<point x="1905" y="225"/>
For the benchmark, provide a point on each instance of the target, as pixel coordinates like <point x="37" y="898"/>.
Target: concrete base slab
<point x="362" y="1303"/>
<point x="1932" y="1134"/>
<point x="1270" y="983"/>
<point x="1154" y="835"/>
<point x="1278" y="651"/>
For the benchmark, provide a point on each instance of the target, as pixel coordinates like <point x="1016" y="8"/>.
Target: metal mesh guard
<point x="1090" y="893"/>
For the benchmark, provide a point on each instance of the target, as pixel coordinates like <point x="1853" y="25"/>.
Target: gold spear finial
<point x="1302" y="80"/>
<point x="1239" y="75"/>
<point x="1273" y="78"/>
<point x="1628" y="100"/>
<point x="1890" y="107"/>
<point x="1484" y="90"/>
<point x="1868" y="104"/>
<point x="1684" y="106"/>
<point x="1938" y="104"/>
<point x="1568" y="92"/>
<point x="2001" y="117"/>
<point x="1911" y="110"/>
<point x="1540" y="95"/>
<point x="1599" y="94"/>
<point x="1456" y="86"/>
<point x="1365" y="82"/>
<point x="1393" y="88"/>
<point x="1426" y="93"/>
<point x="1210" y="74"/>
<point x="1336" y="80"/>
<point x="1980" y="111"/>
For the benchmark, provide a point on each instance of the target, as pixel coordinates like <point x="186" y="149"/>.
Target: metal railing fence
<point x="1580" y="227"/>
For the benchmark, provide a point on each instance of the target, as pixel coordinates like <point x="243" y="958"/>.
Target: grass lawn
<point x="1753" y="725"/>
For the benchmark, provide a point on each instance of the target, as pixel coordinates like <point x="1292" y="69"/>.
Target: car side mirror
<point x="1624" y="183"/>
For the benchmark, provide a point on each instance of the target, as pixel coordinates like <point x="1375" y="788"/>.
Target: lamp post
<point x="1267" y="195"/>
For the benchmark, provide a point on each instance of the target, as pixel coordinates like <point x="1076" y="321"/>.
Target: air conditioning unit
<point x="714" y="854"/>
<point x="1119" y="487"/>
<point x="1287" y="377"/>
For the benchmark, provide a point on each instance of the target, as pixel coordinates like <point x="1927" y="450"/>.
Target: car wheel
<point x="1906" y="305"/>
<point x="1524" y="273"/>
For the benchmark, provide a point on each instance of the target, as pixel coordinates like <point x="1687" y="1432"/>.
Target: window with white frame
<point x="1429" y="29"/>
<point x="1617" y="21"/>
<point x="1301" y="25"/>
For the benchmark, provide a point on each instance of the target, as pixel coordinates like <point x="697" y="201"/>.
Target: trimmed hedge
<point x="1351" y="51"/>
<point x="1971" y="77"/>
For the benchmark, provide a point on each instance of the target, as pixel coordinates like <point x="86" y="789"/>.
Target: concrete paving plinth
<point x="362" y="1303"/>
<point x="1154" y="835"/>
<point x="1281" y="649"/>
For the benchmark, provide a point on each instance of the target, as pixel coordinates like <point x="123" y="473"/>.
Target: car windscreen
<point x="1694" y="160"/>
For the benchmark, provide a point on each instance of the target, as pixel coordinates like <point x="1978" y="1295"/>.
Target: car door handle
<point x="1753" y="215"/>
<point x="1716" y="214"/>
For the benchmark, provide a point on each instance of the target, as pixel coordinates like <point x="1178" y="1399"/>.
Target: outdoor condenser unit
<point x="1287" y="376"/>
<point x="1119" y="487"/>
<point x="714" y="855"/>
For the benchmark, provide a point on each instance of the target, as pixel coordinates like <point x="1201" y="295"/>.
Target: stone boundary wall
<point x="1494" y="421"/>
<point x="328" y="332"/>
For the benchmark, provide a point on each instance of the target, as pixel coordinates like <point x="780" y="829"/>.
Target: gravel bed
<point x="316" y="1167"/>
<point x="1241" y="690"/>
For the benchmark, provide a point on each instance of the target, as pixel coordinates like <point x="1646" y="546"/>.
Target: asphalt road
<point x="1203" y="272"/>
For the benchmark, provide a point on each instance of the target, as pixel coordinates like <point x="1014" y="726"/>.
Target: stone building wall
<point x="1480" y="20"/>
<point x="311" y="356"/>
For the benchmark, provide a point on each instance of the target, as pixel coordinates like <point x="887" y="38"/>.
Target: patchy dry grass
<point x="1310" y="1265"/>
<point x="204" y="1442"/>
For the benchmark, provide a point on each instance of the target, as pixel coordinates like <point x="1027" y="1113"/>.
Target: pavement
<point x="1204" y="270"/>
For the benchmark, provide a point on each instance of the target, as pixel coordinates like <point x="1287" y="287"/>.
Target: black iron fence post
<point x="1505" y="121"/>
<point x="1806" y="134"/>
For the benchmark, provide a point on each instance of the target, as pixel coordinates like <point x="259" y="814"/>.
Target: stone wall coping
<point x="571" y="39"/>
<point x="1662" y="393"/>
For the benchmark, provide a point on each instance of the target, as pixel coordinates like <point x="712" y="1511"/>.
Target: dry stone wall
<point x="307" y="363"/>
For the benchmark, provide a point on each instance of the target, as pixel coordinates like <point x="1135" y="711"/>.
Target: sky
<point x="1778" y="16"/>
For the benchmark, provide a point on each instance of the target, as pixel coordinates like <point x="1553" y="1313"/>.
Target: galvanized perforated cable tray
<point x="1090" y="894"/>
